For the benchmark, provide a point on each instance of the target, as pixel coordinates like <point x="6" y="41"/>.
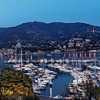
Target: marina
<point x="54" y="74"/>
<point x="41" y="80"/>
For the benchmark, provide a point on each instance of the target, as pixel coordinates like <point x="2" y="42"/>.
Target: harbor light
<point x="51" y="88"/>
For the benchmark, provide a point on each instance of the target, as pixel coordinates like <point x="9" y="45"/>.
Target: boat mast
<point x="21" y="60"/>
<point x="15" y="55"/>
<point x="1" y="61"/>
<point x="19" y="47"/>
<point x="95" y="61"/>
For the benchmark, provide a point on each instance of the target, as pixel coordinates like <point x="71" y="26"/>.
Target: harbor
<point x="57" y="74"/>
<point x="42" y="78"/>
<point x="61" y="81"/>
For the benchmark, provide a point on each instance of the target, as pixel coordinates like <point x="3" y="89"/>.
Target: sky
<point x="15" y="12"/>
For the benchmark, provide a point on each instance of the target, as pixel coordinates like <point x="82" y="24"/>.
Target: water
<point x="1" y="61"/>
<point x="59" y="85"/>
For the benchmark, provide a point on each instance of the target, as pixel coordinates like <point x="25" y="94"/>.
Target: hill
<point x="41" y="32"/>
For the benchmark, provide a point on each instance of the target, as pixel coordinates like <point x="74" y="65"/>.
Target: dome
<point x="18" y="45"/>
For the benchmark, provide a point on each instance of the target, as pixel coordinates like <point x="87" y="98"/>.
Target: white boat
<point x="94" y="67"/>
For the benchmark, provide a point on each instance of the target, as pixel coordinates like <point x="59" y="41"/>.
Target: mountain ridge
<point x="40" y="31"/>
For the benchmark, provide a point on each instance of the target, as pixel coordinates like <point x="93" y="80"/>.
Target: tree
<point x="15" y="84"/>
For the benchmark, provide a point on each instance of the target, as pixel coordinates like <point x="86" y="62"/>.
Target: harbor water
<point x="59" y="86"/>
